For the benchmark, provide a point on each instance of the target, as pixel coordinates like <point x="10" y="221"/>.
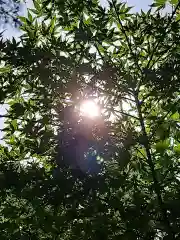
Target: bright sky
<point x="138" y="4"/>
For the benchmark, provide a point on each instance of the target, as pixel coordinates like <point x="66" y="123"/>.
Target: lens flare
<point x="90" y="109"/>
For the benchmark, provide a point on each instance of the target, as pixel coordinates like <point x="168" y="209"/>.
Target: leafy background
<point x="78" y="50"/>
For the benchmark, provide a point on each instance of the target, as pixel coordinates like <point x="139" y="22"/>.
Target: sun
<point x="90" y="109"/>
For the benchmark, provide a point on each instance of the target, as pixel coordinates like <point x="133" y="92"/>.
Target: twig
<point x="128" y="99"/>
<point x="3" y="116"/>
<point x="152" y="167"/>
<point x="140" y="152"/>
<point x="160" y="42"/>
<point x="162" y="119"/>
<point x="127" y="39"/>
<point x="123" y="113"/>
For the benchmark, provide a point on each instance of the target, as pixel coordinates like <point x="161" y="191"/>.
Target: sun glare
<point x="90" y="109"/>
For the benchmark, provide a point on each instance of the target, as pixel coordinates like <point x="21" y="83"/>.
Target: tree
<point x="130" y="62"/>
<point x="8" y="11"/>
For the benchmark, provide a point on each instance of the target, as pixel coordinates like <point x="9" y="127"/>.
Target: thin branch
<point x="100" y="54"/>
<point x="158" y="100"/>
<point x="127" y="39"/>
<point x="3" y="116"/>
<point x="140" y="152"/>
<point x="168" y="53"/>
<point x="109" y="92"/>
<point x="160" y="41"/>
<point x="123" y="113"/>
<point x="162" y="119"/>
<point x="152" y="167"/>
<point x="128" y="99"/>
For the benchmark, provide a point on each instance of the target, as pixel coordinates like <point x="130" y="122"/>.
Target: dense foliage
<point x="76" y="50"/>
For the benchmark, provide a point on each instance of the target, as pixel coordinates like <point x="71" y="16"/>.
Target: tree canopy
<point x="120" y="179"/>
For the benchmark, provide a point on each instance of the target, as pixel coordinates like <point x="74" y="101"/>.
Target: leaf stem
<point x="152" y="167"/>
<point x="124" y="113"/>
<point x="127" y="39"/>
<point x="3" y="116"/>
<point x="160" y="42"/>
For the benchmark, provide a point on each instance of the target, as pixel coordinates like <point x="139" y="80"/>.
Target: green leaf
<point x="141" y="152"/>
<point x="52" y="24"/>
<point x="160" y="2"/>
<point x="5" y="69"/>
<point x="30" y="18"/>
<point x="18" y="109"/>
<point x="14" y="124"/>
<point x="23" y="19"/>
<point x="134" y="77"/>
<point x="37" y="5"/>
<point x="173" y="2"/>
<point x="177" y="149"/>
<point x="12" y="140"/>
<point x="162" y="146"/>
<point x="34" y="11"/>
<point x="175" y="116"/>
<point x="178" y="16"/>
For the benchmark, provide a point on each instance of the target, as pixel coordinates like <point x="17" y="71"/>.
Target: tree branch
<point x="160" y="42"/>
<point x="126" y="114"/>
<point x="127" y="39"/>
<point x="3" y="116"/>
<point x="140" y="152"/>
<point x="163" y="118"/>
<point x="157" y="188"/>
